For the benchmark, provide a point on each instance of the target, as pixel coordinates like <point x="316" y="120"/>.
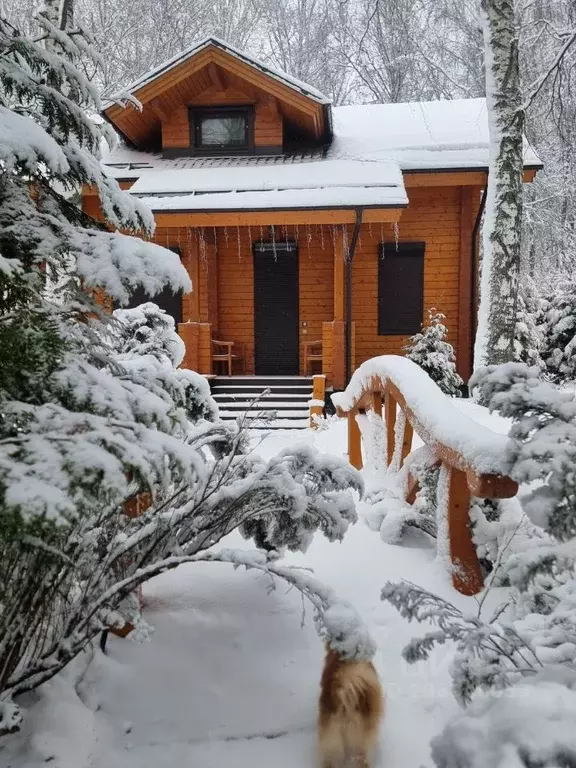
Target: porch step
<point x="284" y="406"/>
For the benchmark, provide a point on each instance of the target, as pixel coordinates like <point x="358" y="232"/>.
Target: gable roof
<point x="210" y="40"/>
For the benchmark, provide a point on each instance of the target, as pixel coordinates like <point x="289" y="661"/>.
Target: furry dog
<point x="351" y="705"/>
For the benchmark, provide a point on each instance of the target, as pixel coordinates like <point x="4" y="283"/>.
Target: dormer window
<point x="222" y="130"/>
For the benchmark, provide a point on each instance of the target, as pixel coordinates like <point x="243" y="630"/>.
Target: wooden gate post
<point x="467" y="576"/>
<point x="354" y="441"/>
<point x="390" y="419"/>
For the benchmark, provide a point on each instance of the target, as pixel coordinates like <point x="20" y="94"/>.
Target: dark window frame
<point x="166" y="291"/>
<point x="412" y="324"/>
<point x="197" y="114"/>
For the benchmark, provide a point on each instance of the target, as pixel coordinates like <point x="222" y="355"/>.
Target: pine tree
<point x="94" y="422"/>
<point x="559" y="334"/>
<point x="430" y="350"/>
<point x="527" y="336"/>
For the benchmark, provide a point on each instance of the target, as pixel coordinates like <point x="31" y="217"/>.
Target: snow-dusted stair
<point x="288" y="397"/>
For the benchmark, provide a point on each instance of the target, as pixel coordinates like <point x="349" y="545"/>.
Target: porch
<point x="262" y="296"/>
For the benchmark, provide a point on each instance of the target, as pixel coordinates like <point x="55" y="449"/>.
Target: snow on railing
<point x="474" y="455"/>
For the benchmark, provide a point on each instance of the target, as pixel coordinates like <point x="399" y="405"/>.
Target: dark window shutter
<point x="170" y="302"/>
<point x="400" y="288"/>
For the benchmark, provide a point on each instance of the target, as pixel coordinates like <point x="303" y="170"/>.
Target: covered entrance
<point x="276" y="310"/>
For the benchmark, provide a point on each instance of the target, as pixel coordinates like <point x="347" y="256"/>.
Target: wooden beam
<point x="211" y="268"/>
<point x="156" y="107"/>
<point x="457" y="178"/>
<point x="272" y="217"/>
<point x="339" y="271"/>
<point x="217" y="76"/>
<point x="467" y="574"/>
<point x="463" y="350"/>
<point x="354" y="441"/>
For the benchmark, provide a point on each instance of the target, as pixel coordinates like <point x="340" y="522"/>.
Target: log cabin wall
<point x="220" y="263"/>
<point x="236" y="283"/>
<point x="268" y="125"/>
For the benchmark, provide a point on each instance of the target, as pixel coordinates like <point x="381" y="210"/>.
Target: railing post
<point x="354" y="441"/>
<point x="467" y="576"/>
<point x="390" y="419"/>
<point x="317" y="403"/>
<point x="406" y="441"/>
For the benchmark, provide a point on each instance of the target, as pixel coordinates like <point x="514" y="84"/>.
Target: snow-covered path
<point x="230" y="676"/>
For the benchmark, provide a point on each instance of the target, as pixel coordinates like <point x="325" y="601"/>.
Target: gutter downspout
<point x="349" y="259"/>
<point x="474" y="274"/>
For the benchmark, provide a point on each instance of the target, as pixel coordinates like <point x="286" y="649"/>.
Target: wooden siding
<point x="434" y="218"/>
<point x="236" y="284"/>
<point x="268" y="126"/>
<point x="211" y="67"/>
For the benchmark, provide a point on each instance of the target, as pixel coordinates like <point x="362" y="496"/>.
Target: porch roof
<point x="342" y="183"/>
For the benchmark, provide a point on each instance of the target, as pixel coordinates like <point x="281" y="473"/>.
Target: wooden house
<point x="315" y="236"/>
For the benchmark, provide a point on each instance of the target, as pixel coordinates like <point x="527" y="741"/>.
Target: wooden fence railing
<point x="471" y="452"/>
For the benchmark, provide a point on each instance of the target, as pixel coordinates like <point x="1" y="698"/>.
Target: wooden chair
<point x="312" y="354"/>
<point x="222" y="352"/>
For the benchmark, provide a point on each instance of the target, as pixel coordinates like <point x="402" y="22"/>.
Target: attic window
<point x="218" y="131"/>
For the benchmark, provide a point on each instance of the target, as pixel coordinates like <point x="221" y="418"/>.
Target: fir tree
<point x="527" y="336"/>
<point x="559" y="334"/>
<point x="430" y="350"/>
<point x="93" y="421"/>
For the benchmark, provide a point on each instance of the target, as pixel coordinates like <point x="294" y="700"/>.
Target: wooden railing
<point x="471" y="453"/>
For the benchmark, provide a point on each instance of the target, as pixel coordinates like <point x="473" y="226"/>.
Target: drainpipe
<point x="474" y="274"/>
<point x="349" y="259"/>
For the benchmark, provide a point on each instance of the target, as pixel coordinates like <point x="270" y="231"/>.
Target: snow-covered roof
<point x="210" y="40"/>
<point x="372" y="145"/>
<point x="422" y="136"/>
<point x="311" y="185"/>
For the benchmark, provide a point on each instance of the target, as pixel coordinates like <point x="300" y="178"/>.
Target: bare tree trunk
<point x="502" y="227"/>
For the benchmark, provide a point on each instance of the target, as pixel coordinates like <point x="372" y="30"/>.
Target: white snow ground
<point x="230" y="677"/>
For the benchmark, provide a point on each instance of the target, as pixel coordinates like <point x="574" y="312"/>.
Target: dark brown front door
<point x="276" y="309"/>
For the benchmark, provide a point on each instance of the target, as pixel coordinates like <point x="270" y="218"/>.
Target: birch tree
<point x="503" y="222"/>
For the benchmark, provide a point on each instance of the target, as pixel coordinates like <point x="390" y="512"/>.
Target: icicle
<point x="239" y="243"/>
<point x="273" y="235"/>
<point x="250" y="237"/>
<point x="370" y="229"/>
<point x="322" y="236"/>
<point x="396" y="234"/>
<point x="297" y="233"/>
<point x="226" y="235"/>
<point x="261" y="234"/>
<point x="345" y="246"/>
<point x="308" y="239"/>
<point x="382" y="236"/>
<point x="286" y="234"/>
<point x="215" y="237"/>
<point x="202" y="245"/>
<point x="333" y="234"/>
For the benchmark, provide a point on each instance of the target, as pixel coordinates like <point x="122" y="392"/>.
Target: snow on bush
<point x="430" y="350"/>
<point x="559" y="333"/>
<point x="527" y="648"/>
<point x="531" y="724"/>
<point x="96" y="423"/>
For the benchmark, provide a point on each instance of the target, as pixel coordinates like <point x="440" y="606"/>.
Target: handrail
<point x="473" y="454"/>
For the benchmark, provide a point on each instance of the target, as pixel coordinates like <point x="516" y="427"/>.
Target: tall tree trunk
<point x="502" y="226"/>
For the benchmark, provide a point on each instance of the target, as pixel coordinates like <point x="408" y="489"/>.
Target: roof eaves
<point x="169" y="64"/>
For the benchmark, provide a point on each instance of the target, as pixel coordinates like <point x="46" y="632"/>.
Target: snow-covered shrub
<point x="559" y="334"/>
<point x="527" y="726"/>
<point x="147" y="330"/>
<point x="528" y="335"/>
<point x="93" y="414"/>
<point x="533" y="634"/>
<point x="430" y="350"/>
